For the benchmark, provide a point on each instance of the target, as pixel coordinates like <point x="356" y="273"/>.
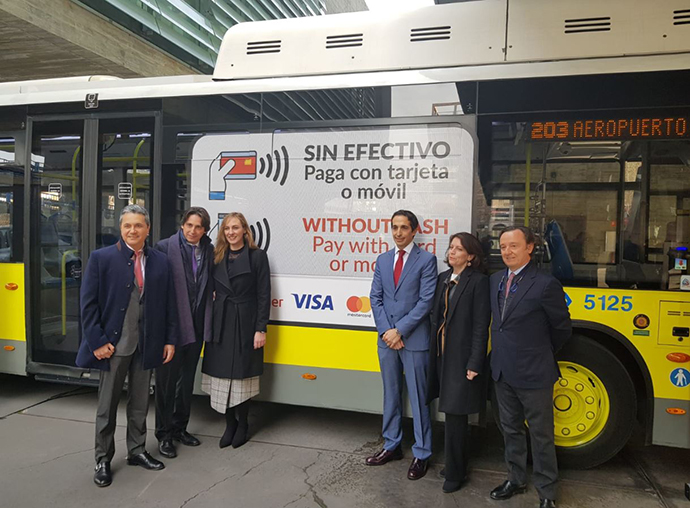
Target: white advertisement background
<point x="288" y="291"/>
<point x="308" y="262"/>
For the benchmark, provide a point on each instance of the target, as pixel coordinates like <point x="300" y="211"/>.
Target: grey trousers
<point x="515" y="405"/>
<point x="109" y="392"/>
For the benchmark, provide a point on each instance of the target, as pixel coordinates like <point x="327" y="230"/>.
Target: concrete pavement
<point x="297" y="457"/>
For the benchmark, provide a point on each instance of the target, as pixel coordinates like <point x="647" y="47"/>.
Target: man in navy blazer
<point x="128" y="328"/>
<point x="190" y="254"/>
<point x="402" y="295"/>
<point x="530" y="324"/>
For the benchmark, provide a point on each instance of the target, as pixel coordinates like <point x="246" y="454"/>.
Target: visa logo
<point x="313" y="302"/>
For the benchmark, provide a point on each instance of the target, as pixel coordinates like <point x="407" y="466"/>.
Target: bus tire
<point x="594" y="405"/>
<point x="589" y="371"/>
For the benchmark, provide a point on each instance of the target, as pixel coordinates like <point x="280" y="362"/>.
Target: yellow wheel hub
<point x="580" y="406"/>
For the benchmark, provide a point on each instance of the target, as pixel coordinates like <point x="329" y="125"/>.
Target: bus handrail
<point x="134" y="168"/>
<point x="63" y="277"/>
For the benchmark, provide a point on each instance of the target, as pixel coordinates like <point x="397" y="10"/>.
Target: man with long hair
<point x="190" y="254"/>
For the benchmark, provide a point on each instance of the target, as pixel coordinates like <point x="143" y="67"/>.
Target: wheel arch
<point x="633" y="362"/>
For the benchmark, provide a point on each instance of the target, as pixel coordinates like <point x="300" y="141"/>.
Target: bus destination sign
<point x="672" y="127"/>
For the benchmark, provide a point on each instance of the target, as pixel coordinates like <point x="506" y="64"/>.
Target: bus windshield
<point x="613" y="210"/>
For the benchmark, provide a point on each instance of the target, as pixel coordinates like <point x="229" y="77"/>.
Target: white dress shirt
<point x="406" y="255"/>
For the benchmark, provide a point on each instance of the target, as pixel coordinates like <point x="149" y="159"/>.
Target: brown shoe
<point x="384" y="457"/>
<point x="417" y="469"/>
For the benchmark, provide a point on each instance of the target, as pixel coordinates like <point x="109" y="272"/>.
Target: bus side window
<point x="11" y="201"/>
<point x="614" y="214"/>
<point x="668" y="230"/>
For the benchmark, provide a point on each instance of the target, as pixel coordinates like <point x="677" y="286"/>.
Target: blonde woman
<point x="234" y="357"/>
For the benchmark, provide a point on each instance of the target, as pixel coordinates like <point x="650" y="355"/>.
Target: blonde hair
<point x="222" y="245"/>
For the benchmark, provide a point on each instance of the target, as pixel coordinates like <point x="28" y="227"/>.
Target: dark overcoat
<point x="172" y="247"/>
<point x="467" y="335"/>
<point x="238" y="315"/>
<point x="106" y="289"/>
<point x="534" y="325"/>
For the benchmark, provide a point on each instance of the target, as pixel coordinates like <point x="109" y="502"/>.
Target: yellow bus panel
<point x="12" y="325"/>
<point x="322" y="347"/>
<point x="617" y="309"/>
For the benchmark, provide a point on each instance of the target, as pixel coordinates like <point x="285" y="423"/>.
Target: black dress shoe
<point x="506" y="490"/>
<point x="146" y="461"/>
<point x="417" y="469"/>
<point x="547" y="503"/>
<point x="186" y="439"/>
<point x="167" y="449"/>
<point x="102" y="476"/>
<point x="384" y="457"/>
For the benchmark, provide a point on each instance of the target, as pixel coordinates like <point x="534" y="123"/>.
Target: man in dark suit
<point x="530" y="324"/>
<point x="402" y="294"/>
<point x="190" y="254"/>
<point x="128" y="328"/>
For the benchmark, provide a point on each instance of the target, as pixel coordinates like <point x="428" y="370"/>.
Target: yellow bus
<point x="570" y="117"/>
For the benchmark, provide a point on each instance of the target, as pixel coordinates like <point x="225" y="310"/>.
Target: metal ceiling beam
<point x="195" y="28"/>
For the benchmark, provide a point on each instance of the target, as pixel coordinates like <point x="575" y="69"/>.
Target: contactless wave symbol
<point x="275" y="167"/>
<point x="262" y="235"/>
<point x="239" y="165"/>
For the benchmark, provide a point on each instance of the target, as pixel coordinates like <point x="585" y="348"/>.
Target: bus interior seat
<point x="561" y="262"/>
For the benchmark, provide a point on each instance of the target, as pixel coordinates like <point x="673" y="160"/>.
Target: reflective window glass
<point x="11" y="200"/>
<point x="611" y="213"/>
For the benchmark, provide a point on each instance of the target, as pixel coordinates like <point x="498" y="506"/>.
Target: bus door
<point x="12" y="326"/>
<point x="84" y="171"/>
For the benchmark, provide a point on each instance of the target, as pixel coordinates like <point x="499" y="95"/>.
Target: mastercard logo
<point x="359" y="304"/>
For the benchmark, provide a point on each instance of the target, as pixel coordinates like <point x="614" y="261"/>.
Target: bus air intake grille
<point x="261" y="47"/>
<point x="681" y="17"/>
<point x="344" y="41"/>
<point x="575" y="26"/>
<point x="432" y="33"/>
<point x="674" y="313"/>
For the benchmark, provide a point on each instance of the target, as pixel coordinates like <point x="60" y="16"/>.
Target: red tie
<point x="398" y="267"/>
<point x="138" y="272"/>
<point x="510" y="282"/>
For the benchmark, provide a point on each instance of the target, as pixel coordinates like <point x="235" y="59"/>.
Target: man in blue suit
<point x="129" y="327"/>
<point x="530" y="324"/>
<point x="402" y="295"/>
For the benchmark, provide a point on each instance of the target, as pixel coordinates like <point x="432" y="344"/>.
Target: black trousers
<point x="109" y="392"/>
<point x="456" y="447"/>
<point x="515" y="405"/>
<point x="174" y="388"/>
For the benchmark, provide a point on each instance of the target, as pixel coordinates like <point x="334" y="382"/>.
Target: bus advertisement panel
<point x="320" y="202"/>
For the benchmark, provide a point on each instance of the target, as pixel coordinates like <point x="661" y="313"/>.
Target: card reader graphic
<point x="230" y="166"/>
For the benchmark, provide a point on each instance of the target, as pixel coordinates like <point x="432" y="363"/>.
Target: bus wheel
<point x="594" y="404"/>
